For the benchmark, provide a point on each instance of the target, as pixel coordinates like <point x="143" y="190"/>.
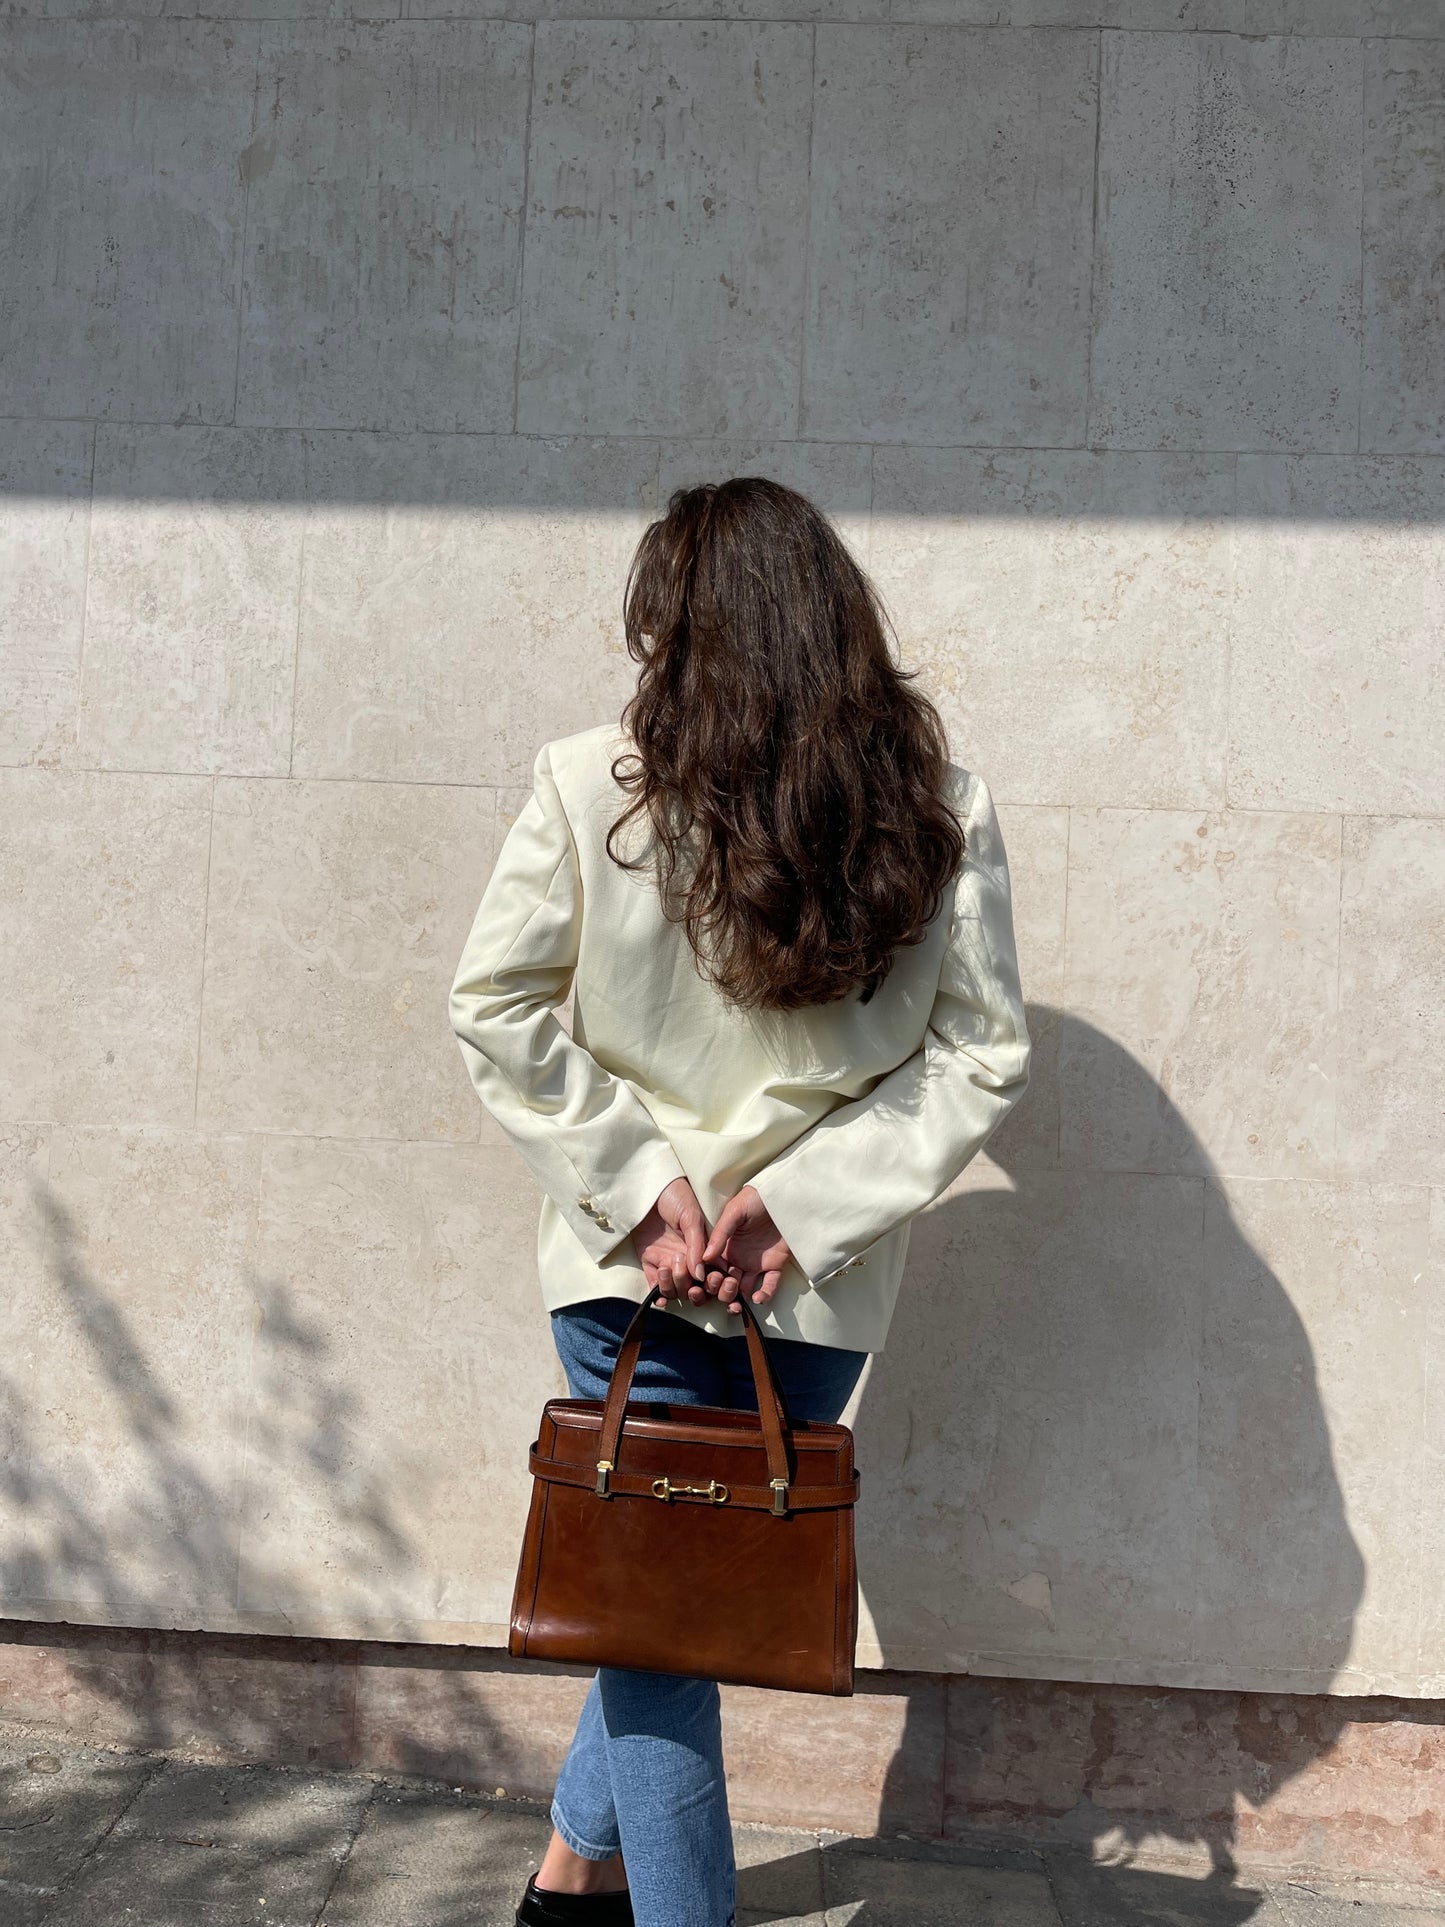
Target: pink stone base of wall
<point x="1265" y="1781"/>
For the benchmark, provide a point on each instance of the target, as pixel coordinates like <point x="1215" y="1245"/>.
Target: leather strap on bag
<point x="777" y="1436"/>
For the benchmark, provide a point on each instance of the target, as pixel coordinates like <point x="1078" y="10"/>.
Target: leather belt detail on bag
<point x="761" y="1498"/>
<point x="642" y="1511"/>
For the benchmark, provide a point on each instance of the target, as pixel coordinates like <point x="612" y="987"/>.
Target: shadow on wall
<point x="152" y="1541"/>
<point x="871" y="231"/>
<point x="1096" y="1429"/>
<point x="1113" y="1405"/>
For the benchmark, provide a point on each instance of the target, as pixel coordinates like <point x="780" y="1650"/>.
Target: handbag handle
<point x="771" y="1409"/>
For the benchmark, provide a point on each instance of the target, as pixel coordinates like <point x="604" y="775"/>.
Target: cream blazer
<point x="848" y="1118"/>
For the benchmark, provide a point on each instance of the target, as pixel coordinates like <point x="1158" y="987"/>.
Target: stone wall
<point x="1214" y="1786"/>
<point x="346" y="359"/>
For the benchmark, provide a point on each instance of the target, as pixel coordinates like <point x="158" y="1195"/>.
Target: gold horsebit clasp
<point x="716" y="1494"/>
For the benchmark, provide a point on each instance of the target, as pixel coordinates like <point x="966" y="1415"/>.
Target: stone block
<point x="918" y="1892"/>
<point x="255" y="1809"/>
<point x="24" y="1237"/>
<point x="778" y="1874"/>
<point x="172" y="1883"/>
<point x="1403" y="404"/>
<point x="384" y="235"/>
<point x="1027" y="1441"/>
<point x="193" y="586"/>
<point x="1036" y="839"/>
<point x="102" y="900"/>
<point x="336" y="916"/>
<point x="1227" y="267"/>
<point x="463" y="602"/>
<point x="436" y="1862"/>
<point x="1310" y="1428"/>
<point x="1091" y="1895"/>
<point x="44" y="517"/>
<point x="1432" y="1484"/>
<point x="1016" y="1754"/>
<point x="131" y="1407"/>
<point x="949" y="237"/>
<point x="1309" y="1903"/>
<point x="668" y="185"/>
<point x="869" y="1764"/>
<point x="1392" y="971"/>
<point x="124" y="208"/>
<point x="660" y="10"/>
<point x="282" y="1702"/>
<point x="1347" y="1788"/>
<point x="457" y="1714"/>
<point x="1336" y="700"/>
<point x="56" y="1802"/>
<point x="1309" y="18"/>
<point x="1070" y="613"/>
<point x="1202" y="981"/>
<point x="234" y="10"/>
<point x="395" y="1382"/>
<point x="1185" y="1788"/>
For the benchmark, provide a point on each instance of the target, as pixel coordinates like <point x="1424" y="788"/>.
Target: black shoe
<point x="547" y="1909"/>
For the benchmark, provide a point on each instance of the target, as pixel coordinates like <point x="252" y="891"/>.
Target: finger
<point x="696" y="1293"/>
<point x="728" y="1220"/>
<point x="767" y="1287"/>
<point x="694" y="1235"/>
<point x="728" y="1290"/>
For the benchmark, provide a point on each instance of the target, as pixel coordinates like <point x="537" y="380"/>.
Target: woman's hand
<point x="669" y="1243"/>
<point x="745" y="1252"/>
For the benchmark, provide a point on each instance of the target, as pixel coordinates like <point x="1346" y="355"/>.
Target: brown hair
<point x="793" y="779"/>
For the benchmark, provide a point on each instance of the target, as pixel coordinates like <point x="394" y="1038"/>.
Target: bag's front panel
<point x="682" y="1586"/>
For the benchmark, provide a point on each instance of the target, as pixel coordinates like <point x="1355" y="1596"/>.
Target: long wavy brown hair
<point x="793" y="779"/>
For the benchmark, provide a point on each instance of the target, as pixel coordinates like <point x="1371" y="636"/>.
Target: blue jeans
<point x="644" y="1775"/>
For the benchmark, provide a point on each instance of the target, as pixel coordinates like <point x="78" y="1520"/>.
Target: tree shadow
<point x="130" y="1536"/>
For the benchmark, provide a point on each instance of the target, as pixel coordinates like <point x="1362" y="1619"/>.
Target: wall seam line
<point x="522" y="226"/>
<point x="798" y="404"/>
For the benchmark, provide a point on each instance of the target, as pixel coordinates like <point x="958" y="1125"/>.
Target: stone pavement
<point x="108" y="1839"/>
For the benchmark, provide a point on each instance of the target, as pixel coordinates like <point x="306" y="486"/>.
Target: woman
<point x="785" y="918"/>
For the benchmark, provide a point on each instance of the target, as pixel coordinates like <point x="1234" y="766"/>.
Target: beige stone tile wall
<point x="348" y="352"/>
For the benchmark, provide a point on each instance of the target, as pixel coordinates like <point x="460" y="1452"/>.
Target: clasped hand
<point x="743" y="1252"/>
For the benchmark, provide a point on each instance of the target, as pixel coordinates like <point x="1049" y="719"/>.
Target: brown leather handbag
<point x="691" y="1539"/>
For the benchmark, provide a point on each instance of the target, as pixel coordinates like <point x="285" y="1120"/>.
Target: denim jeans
<point x="644" y="1775"/>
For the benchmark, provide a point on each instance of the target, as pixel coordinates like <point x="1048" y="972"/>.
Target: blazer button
<point x="585" y="1202"/>
<point x="603" y="1223"/>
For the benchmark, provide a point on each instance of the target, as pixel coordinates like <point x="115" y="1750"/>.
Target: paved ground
<point x="100" y="1839"/>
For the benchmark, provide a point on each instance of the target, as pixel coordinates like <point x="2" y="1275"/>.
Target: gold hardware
<point x="664" y="1488"/>
<point x="604" y="1466"/>
<point x="780" y="1496"/>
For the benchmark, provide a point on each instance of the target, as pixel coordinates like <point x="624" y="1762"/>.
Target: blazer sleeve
<point x="873" y="1162"/>
<point x="586" y="1136"/>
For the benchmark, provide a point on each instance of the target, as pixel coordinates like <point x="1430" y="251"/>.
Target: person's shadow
<point x="1094" y="1450"/>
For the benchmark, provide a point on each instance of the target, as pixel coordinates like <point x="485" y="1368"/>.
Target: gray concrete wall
<point x="344" y="359"/>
